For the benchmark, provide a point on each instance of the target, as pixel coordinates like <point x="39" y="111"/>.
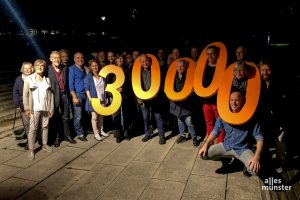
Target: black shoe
<point x="118" y="140"/>
<point x="146" y="138"/>
<point x="22" y="144"/>
<point x="70" y="139"/>
<point x="195" y="142"/>
<point x="180" y="139"/>
<point x="26" y="147"/>
<point x="57" y="142"/>
<point x="246" y="173"/>
<point x="126" y="135"/>
<point x="162" y="140"/>
<point x="82" y="138"/>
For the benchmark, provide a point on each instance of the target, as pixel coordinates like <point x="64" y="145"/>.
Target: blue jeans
<point x="146" y="111"/>
<point x="186" y="120"/>
<point x="78" y="111"/>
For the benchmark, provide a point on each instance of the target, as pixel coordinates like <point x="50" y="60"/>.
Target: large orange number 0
<point x="112" y="88"/>
<point x="252" y="96"/>
<point x="200" y="70"/>
<point x="155" y="79"/>
<point x="188" y="85"/>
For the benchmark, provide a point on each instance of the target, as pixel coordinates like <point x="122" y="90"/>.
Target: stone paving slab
<point x="241" y="187"/>
<point x="54" y="186"/>
<point x="125" y="153"/>
<point x="94" y="155"/>
<point x="131" y="170"/>
<point x="206" y="167"/>
<point x="7" y="154"/>
<point x="205" y="187"/>
<point x="46" y="167"/>
<point x="7" y="171"/>
<point x="92" y="183"/>
<point x="14" y="187"/>
<point x="154" y="152"/>
<point x="131" y="182"/>
<point x="163" y="190"/>
<point x="178" y="163"/>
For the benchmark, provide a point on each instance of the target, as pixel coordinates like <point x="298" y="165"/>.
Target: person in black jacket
<point x="58" y="77"/>
<point x="26" y="69"/>
<point x="183" y="109"/>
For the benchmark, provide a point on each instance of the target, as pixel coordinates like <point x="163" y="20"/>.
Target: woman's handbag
<point x="19" y="133"/>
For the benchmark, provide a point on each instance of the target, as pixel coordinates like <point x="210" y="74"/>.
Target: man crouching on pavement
<point x="237" y="143"/>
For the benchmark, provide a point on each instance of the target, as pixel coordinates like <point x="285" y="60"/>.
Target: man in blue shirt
<point x="237" y="143"/>
<point x="76" y="86"/>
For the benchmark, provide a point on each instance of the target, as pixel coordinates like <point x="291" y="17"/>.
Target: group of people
<point x="55" y="91"/>
<point x="265" y="127"/>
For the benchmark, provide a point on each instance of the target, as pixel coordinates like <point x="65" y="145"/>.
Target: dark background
<point x="149" y="25"/>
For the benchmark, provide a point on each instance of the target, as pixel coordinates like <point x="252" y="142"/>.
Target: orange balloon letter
<point x="188" y="85"/>
<point x="155" y="78"/>
<point x="200" y="90"/>
<point x="252" y="96"/>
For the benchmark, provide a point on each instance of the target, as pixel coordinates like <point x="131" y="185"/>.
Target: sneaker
<point x="162" y="140"/>
<point x="47" y="148"/>
<point x="180" y="139"/>
<point x="246" y="172"/>
<point x="146" y="138"/>
<point x="31" y="155"/>
<point x="104" y="134"/>
<point x="98" y="137"/>
<point x="195" y="142"/>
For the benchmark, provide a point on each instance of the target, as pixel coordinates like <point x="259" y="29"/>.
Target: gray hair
<point x="26" y="63"/>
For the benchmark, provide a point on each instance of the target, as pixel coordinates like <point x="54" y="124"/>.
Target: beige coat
<point x="30" y="82"/>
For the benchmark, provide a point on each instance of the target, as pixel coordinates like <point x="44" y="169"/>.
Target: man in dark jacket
<point x="59" y="82"/>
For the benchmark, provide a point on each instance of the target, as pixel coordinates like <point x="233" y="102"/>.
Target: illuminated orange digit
<point x="112" y="88"/>
<point x="155" y="79"/>
<point x="188" y="85"/>
<point x="252" y="96"/>
<point x="200" y="69"/>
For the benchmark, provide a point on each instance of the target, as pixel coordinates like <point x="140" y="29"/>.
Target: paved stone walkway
<point x="129" y="170"/>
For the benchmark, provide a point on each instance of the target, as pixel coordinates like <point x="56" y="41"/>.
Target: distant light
<point x="103" y="18"/>
<point x="281" y="44"/>
<point x="103" y="33"/>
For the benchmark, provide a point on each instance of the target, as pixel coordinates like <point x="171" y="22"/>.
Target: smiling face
<point x="236" y="102"/>
<point x="265" y="72"/>
<point x="55" y="59"/>
<point x="39" y="66"/>
<point x="27" y="69"/>
<point x="145" y="61"/>
<point x="94" y="67"/>
<point x="212" y="56"/>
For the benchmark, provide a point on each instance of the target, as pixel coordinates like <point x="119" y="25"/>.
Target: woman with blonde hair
<point x="38" y="105"/>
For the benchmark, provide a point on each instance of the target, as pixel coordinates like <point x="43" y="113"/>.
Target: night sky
<point x="155" y="25"/>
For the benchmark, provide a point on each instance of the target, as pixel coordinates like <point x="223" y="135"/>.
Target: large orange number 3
<point x="112" y="88"/>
